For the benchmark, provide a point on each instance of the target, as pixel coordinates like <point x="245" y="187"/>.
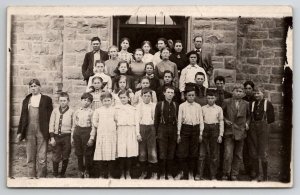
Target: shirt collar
<point x="190" y="66"/>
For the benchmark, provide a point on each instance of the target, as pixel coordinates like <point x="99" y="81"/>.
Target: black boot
<point x="265" y="171"/>
<point x="149" y="171"/>
<point x="162" y="169"/>
<point x="200" y="166"/>
<point x="55" y="168"/>
<point x="254" y="169"/>
<point x="64" y="168"/>
<point x="185" y="169"/>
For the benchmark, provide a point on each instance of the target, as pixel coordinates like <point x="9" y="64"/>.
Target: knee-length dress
<point x="127" y="130"/>
<point x="106" y="142"/>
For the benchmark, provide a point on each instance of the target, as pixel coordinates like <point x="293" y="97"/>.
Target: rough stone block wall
<point x="260" y="57"/>
<point x="51" y="49"/>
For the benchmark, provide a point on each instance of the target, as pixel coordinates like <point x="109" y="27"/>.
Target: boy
<point x="34" y="127"/>
<point x="147" y="141"/>
<point x="168" y="81"/>
<point x="145" y="83"/>
<point x="221" y="94"/>
<point x="189" y="72"/>
<point x="81" y="135"/>
<point x="262" y="115"/>
<point x="200" y="89"/>
<point x="236" y="118"/>
<point x="190" y="124"/>
<point x="165" y="124"/>
<point x="60" y="128"/>
<point x="211" y="136"/>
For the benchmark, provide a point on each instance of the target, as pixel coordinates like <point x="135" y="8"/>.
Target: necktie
<point x="61" y="118"/>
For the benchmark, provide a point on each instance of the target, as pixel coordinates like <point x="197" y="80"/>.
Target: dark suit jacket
<point x="239" y="118"/>
<point x="45" y="110"/>
<point x="88" y="63"/>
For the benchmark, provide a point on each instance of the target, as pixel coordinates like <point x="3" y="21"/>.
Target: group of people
<point x="158" y="109"/>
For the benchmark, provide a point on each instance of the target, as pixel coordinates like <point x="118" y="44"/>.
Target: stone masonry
<point x="52" y="48"/>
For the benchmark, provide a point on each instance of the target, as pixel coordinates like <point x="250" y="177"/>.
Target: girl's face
<point x="149" y="70"/>
<point x="97" y="84"/>
<point x="165" y="54"/>
<point x="123" y="68"/>
<point x="146" y="48"/>
<point x="168" y="78"/>
<point x="193" y="59"/>
<point x="125" y="45"/>
<point x="122" y="83"/>
<point x="178" y="47"/>
<point x="124" y="99"/>
<point x="145" y="83"/>
<point x="160" y="45"/>
<point x="113" y="52"/>
<point x="138" y="56"/>
<point x="99" y="68"/>
<point x="106" y="102"/>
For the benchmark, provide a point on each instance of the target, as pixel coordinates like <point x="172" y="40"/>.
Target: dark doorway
<point x="176" y="28"/>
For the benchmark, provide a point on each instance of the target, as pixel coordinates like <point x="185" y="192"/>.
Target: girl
<point x="148" y="57"/>
<point x="113" y="61"/>
<point x="149" y="72"/>
<point x="127" y="133"/>
<point x="124" y="69"/>
<point x="121" y="84"/>
<point x="178" y="57"/>
<point x="137" y="67"/>
<point x="161" y="44"/>
<point x="124" y="54"/>
<point x="99" y="71"/>
<point x="97" y="86"/>
<point x="166" y="64"/>
<point x="145" y="83"/>
<point x="104" y="127"/>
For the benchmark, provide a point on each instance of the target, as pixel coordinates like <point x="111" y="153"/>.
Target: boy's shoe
<point x="81" y="174"/>
<point x="143" y="175"/>
<point x="224" y="178"/>
<point x="155" y="176"/>
<point x="86" y="174"/>
<point x="234" y="178"/>
<point x="213" y="178"/>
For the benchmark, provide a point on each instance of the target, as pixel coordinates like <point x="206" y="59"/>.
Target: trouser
<point x="147" y="147"/>
<point x="232" y="156"/>
<point x="210" y="146"/>
<point x="62" y="149"/>
<point x="36" y="146"/>
<point x="167" y="141"/>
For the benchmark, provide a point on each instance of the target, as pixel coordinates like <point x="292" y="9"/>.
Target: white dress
<point x="127" y="129"/>
<point x="106" y="142"/>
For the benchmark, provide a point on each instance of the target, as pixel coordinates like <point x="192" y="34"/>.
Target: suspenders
<point x="265" y="107"/>
<point x="162" y="120"/>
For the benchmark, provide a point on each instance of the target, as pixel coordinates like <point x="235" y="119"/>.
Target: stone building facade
<point x="52" y="48"/>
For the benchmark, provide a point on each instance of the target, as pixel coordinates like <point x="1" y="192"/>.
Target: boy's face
<point x="99" y="68"/>
<point x="199" y="80"/>
<point x="258" y="95"/>
<point x="125" y="45"/>
<point x="169" y="94"/>
<point x="113" y="52"/>
<point x="219" y="85"/>
<point x="248" y="90"/>
<point x="122" y="83"/>
<point x="168" y="78"/>
<point x="96" y="45"/>
<point x="106" y="102"/>
<point x="178" y="47"/>
<point x="190" y="96"/>
<point x="149" y="70"/>
<point x="138" y="56"/>
<point x="85" y="103"/>
<point x="211" y="100"/>
<point x="193" y="59"/>
<point x="35" y="89"/>
<point x="63" y="102"/>
<point x="146" y="48"/>
<point x="123" y="68"/>
<point x="124" y="99"/>
<point x="97" y="84"/>
<point x="146" y="98"/>
<point x="145" y="83"/>
<point x="165" y="54"/>
<point x="238" y="93"/>
<point x="160" y="45"/>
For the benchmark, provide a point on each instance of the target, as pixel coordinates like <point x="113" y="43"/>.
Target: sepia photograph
<point x="150" y="97"/>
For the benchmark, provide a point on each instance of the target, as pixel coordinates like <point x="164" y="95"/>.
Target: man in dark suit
<point x="205" y="58"/>
<point x="91" y="57"/>
<point x="34" y="127"/>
